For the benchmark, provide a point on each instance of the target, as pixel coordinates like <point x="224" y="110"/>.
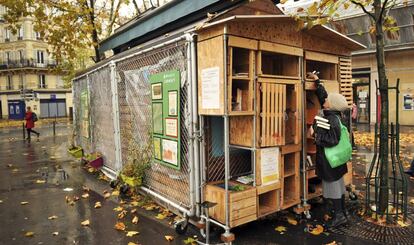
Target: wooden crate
<point x="274" y="181"/>
<point x="268" y="202"/>
<point x="241" y="130"/>
<point x="242" y="204"/>
<point x="345" y="78"/>
<point x="291" y="178"/>
<point x="278" y="111"/>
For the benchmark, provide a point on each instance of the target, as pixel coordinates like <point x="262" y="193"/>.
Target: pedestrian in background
<point x="30" y="118"/>
<point x="327" y="132"/>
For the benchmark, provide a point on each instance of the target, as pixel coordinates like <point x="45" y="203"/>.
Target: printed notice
<point x="171" y="127"/>
<point x="210" y="88"/>
<point x="169" y="151"/>
<point x="269" y="159"/>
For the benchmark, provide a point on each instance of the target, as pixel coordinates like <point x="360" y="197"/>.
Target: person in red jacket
<point x="30" y="124"/>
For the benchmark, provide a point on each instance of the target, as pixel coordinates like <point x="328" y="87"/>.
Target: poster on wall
<point x="169" y="151"/>
<point x="157" y="118"/>
<point x="269" y="159"/>
<point x="157" y="148"/>
<point x="408" y="103"/>
<point x="210" y="88"/>
<point x="165" y="94"/>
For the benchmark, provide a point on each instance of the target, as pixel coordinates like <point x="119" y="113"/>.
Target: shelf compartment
<point x="240" y="60"/>
<point x="241" y="130"/>
<point x="328" y="71"/>
<point x="291" y="164"/>
<point x="241" y="96"/>
<point x="278" y="64"/>
<point x="291" y="194"/>
<point x="242" y="204"/>
<point x="268" y="203"/>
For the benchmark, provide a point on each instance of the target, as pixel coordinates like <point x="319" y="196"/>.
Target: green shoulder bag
<point x="339" y="154"/>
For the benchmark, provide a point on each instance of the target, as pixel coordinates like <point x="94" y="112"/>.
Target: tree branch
<point x="384" y="6"/>
<point x="364" y="9"/>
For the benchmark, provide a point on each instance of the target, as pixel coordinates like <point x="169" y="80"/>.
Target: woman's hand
<point x="310" y="131"/>
<point x="311" y="75"/>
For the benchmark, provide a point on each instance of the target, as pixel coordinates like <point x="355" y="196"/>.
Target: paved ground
<point x="47" y="160"/>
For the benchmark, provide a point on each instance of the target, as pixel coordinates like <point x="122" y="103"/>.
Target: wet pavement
<point x="22" y="164"/>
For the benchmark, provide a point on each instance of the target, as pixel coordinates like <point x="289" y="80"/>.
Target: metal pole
<point x="304" y="133"/>
<point x="226" y="136"/>
<point x="190" y="127"/>
<point x="195" y="121"/>
<point x="54" y="127"/>
<point x="115" y="118"/>
<point x="24" y="131"/>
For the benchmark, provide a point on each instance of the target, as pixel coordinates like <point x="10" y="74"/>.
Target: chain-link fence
<point x="80" y="87"/>
<point x="101" y="114"/>
<point x="134" y="91"/>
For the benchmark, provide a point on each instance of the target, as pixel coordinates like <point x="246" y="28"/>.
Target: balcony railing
<point x="24" y="63"/>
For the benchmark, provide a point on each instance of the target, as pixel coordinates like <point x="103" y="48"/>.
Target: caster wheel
<point x="124" y="189"/>
<point x="353" y="196"/>
<point x="113" y="184"/>
<point x="181" y="228"/>
<point x="307" y="215"/>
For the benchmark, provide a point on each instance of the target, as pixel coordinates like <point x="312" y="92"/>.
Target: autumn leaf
<point x="52" y="217"/>
<point x="280" y="229"/>
<point x="85" y="188"/>
<point x="55" y="233"/>
<point x="402" y="223"/>
<point x="120" y="226"/>
<point x="24" y="203"/>
<point x="29" y="234"/>
<point x="122" y="214"/>
<point x="107" y="195"/>
<point x="412" y="201"/>
<point x="9" y="165"/>
<point x="115" y="193"/>
<point x="133" y="211"/>
<point x="282" y="2"/>
<point x="118" y="209"/>
<point x="134" y="204"/>
<point x="292" y="221"/>
<point x="98" y="205"/>
<point x="132" y="243"/>
<point x="85" y="223"/>
<point x="76" y="198"/>
<point x="135" y="220"/>
<point x="86" y="195"/>
<point x="190" y="241"/>
<point x="1" y="201"/>
<point x="169" y="238"/>
<point x="332" y="243"/>
<point x="40" y="181"/>
<point x="326" y="217"/>
<point x="317" y="230"/>
<point x="132" y="233"/>
<point x="160" y="216"/>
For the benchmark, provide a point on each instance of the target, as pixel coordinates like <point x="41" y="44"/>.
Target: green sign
<point x="165" y="94"/>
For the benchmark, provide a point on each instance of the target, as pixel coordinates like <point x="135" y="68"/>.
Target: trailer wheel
<point x="181" y="227"/>
<point x="353" y="196"/>
<point x="113" y="184"/>
<point x="307" y="214"/>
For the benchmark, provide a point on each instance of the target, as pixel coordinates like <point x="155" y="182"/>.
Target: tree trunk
<point x="383" y="86"/>
<point x="95" y="38"/>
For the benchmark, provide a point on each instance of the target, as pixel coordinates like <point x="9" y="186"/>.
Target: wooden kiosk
<point x="256" y="106"/>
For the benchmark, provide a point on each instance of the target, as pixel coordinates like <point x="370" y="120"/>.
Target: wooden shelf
<point x="311" y="173"/>
<point x="241" y="113"/>
<point x="280" y="77"/>
<point x="277" y="64"/>
<point x="243" y="78"/>
<point x="268" y="203"/>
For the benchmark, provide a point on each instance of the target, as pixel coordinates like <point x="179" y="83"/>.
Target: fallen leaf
<point x="85" y="188"/>
<point x="55" y="233"/>
<point x="132" y="233"/>
<point x="29" y="234"/>
<point x="107" y="195"/>
<point x="68" y="189"/>
<point x="115" y="193"/>
<point x="132" y="243"/>
<point x="122" y="214"/>
<point x="98" y="205"/>
<point x="169" y="238"/>
<point x="86" y="195"/>
<point x="9" y="165"/>
<point x="134" y="203"/>
<point x="280" y="229"/>
<point x="332" y="243"/>
<point x="40" y="181"/>
<point x="120" y="226"/>
<point x="133" y="211"/>
<point x="317" y="230"/>
<point x="135" y="220"/>
<point x="1" y="201"/>
<point x="52" y="217"/>
<point x="190" y="241"/>
<point x="85" y="223"/>
<point x="292" y="221"/>
<point x="402" y="223"/>
<point x="76" y="198"/>
<point x="24" y="203"/>
<point x="118" y="209"/>
<point x="412" y="201"/>
<point x="160" y="216"/>
<point x="326" y="217"/>
<point x="91" y="170"/>
<point x="15" y="170"/>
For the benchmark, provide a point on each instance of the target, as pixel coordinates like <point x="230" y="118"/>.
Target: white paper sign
<point x="171" y="127"/>
<point x="269" y="159"/>
<point x="210" y="88"/>
<point x="363" y="94"/>
<point x="169" y="151"/>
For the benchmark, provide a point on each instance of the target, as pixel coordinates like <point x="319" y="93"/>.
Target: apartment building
<point x="28" y="76"/>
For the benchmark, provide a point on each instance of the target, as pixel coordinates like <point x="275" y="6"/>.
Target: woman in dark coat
<point x="327" y="132"/>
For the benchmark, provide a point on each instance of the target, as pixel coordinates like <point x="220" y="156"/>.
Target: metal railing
<point x="27" y="63"/>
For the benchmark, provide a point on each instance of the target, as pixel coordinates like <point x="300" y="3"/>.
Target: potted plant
<point x="75" y="151"/>
<point x="94" y="159"/>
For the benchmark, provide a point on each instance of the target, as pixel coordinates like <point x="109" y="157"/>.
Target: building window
<point x="6" y="35"/>
<point x="8" y="57"/>
<point x="42" y="81"/>
<point x="393" y="35"/>
<point x="21" y="56"/>
<point x="9" y="82"/>
<point x="21" y="81"/>
<point x="21" y="33"/>
<point x="40" y="57"/>
<point x="37" y="35"/>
